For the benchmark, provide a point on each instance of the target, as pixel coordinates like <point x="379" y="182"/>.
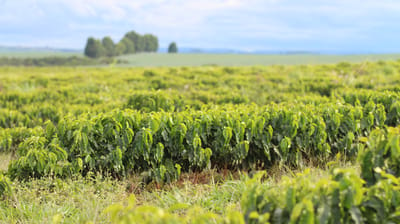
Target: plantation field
<point x="208" y="59"/>
<point x="36" y="54"/>
<point x="193" y="59"/>
<point x="316" y="143"/>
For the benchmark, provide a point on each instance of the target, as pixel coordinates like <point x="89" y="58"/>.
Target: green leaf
<point x="356" y="215"/>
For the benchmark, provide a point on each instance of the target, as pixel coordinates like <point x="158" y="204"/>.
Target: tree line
<point x="57" y="61"/>
<point x="131" y="43"/>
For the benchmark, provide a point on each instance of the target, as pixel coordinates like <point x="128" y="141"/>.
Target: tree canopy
<point x="150" y="43"/>
<point x="131" y="43"/>
<point x="172" y="48"/>
<point x="130" y="47"/>
<point x="94" y="48"/>
<point x="109" y="46"/>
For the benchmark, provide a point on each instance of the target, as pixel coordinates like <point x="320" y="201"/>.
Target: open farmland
<point x="36" y="53"/>
<point x="321" y="144"/>
<point x="204" y="59"/>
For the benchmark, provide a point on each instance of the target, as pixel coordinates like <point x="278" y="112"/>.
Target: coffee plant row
<point x="163" y="144"/>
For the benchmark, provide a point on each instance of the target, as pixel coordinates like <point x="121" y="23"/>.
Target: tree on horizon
<point x="172" y="48"/>
<point x="94" y="48"/>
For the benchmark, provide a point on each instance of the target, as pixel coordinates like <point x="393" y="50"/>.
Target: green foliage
<point x="381" y="154"/>
<point x="5" y="186"/>
<point x="154" y="102"/>
<point x="136" y="43"/>
<point x="121" y="48"/>
<point x="94" y="48"/>
<point x="54" y="200"/>
<point x="160" y="123"/>
<point x="55" y="61"/>
<point x="38" y="158"/>
<point x="236" y="137"/>
<point x="133" y="213"/>
<point x="109" y="46"/>
<point x="188" y="112"/>
<point x="339" y="198"/>
<point x="136" y="39"/>
<point x="172" y="48"/>
<point x="126" y="46"/>
<point x="10" y="138"/>
<point x="150" y="43"/>
<point x="191" y="118"/>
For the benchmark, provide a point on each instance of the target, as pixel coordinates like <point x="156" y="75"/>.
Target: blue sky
<point x="275" y="25"/>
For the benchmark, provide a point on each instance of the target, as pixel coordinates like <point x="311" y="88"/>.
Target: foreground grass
<point x="5" y="159"/>
<point x="73" y="201"/>
<point x="83" y="200"/>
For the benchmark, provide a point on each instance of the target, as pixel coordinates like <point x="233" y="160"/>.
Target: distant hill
<point x="11" y="51"/>
<point x="48" y="51"/>
<point x="36" y="49"/>
<point x="232" y="51"/>
<point x="204" y="50"/>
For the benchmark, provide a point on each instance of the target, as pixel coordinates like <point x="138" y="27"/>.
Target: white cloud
<point x="201" y="23"/>
<point x="121" y="7"/>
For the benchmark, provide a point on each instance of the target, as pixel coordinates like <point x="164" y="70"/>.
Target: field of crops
<point x="194" y="59"/>
<point x="161" y="124"/>
<point x="201" y="59"/>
